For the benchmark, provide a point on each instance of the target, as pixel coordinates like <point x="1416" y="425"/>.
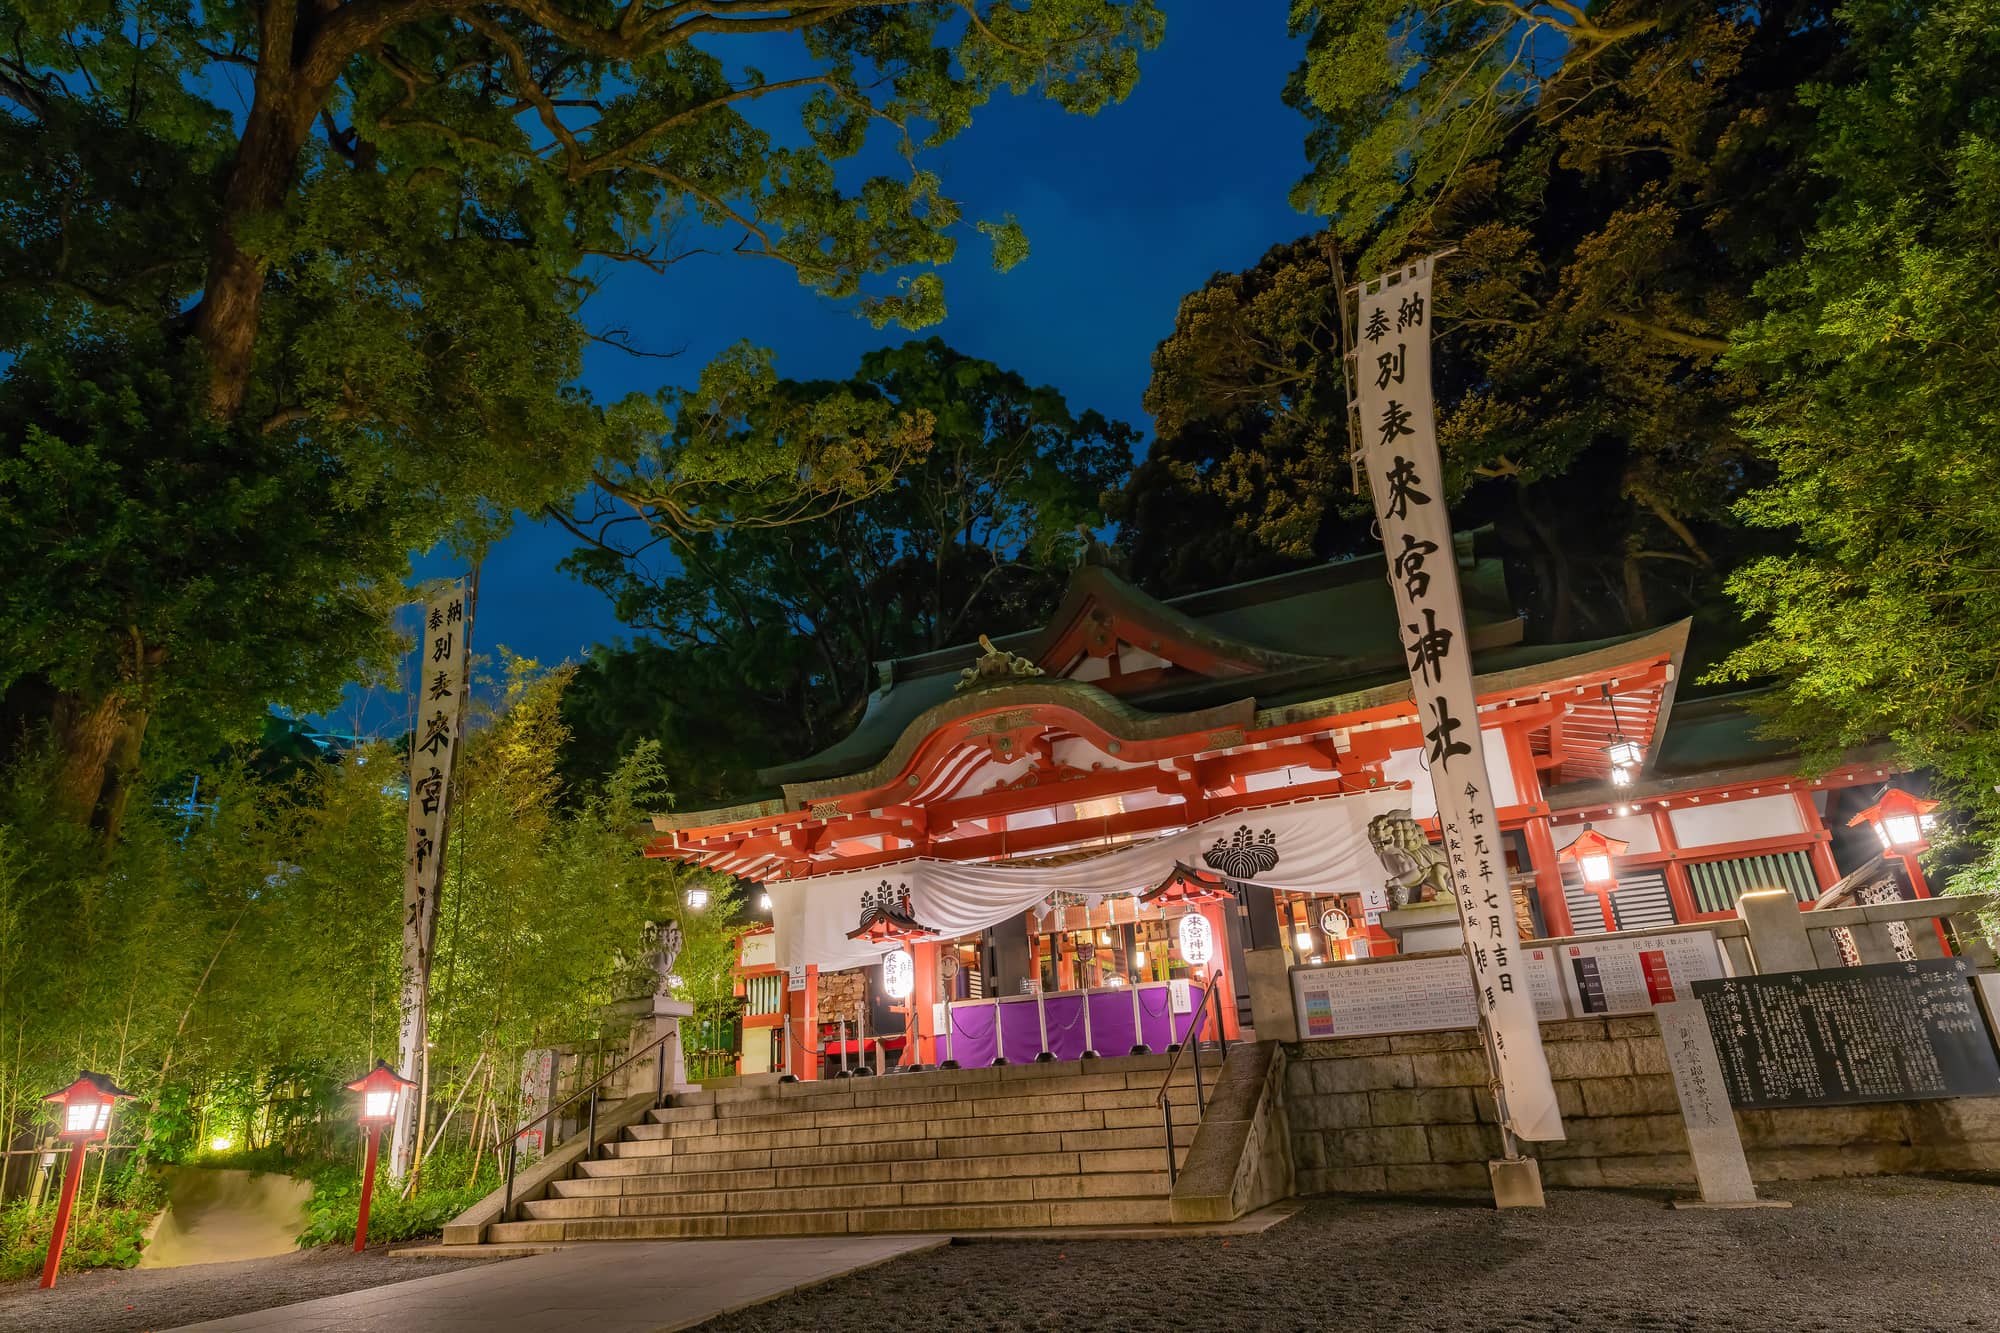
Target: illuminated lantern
<point x="1304" y="940"/>
<point x="1900" y="821"/>
<point x="1623" y="753"/>
<point x="1593" y="854"/>
<point x="381" y="1090"/>
<point x="899" y="975"/>
<point x="84" y="1117"/>
<point x="696" y="897"/>
<point x="1197" y="939"/>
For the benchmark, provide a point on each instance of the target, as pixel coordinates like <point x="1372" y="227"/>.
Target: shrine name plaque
<point x="1885" y="1032"/>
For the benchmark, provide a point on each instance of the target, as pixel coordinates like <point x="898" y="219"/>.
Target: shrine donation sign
<point x="439" y="684"/>
<point x="1399" y="451"/>
<point x="1884" y="1032"/>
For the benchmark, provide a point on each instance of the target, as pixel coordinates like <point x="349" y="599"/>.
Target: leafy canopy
<point x="767" y="635"/>
<point x="1880" y="356"/>
<point x="290" y="290"/>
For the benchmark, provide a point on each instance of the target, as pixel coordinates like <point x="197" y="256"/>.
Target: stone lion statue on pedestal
<point x="1416" y="869"/>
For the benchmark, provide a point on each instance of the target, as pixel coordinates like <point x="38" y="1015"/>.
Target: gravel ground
<point x="131" y="1300"/>
<point x="1885" y="1255"/>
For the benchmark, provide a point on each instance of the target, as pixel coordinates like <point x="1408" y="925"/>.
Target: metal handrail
<point x="1191" y="1043"/>
<point x="546" y="1118"/>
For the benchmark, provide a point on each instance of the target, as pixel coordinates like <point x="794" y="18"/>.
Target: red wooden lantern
<point x="1185" y="884"/>
<point x="1900" y="821"/>
<point x="1593" y="854"/>
<point x="86" y="1108"/>
<point x="85" y="1119"/>
<point x="381" y="1088"/>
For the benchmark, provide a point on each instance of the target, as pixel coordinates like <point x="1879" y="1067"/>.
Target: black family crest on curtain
<point x="886" y="915"/>
<point x="1243" y="855"/>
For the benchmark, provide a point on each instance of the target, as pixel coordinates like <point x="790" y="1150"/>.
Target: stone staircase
<point x="1020" y="1146"/>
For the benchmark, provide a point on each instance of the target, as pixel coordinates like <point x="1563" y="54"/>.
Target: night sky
<point x="1126" y="212"/>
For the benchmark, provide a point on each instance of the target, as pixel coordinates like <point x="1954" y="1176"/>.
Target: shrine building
<point x="1102" y="814"/>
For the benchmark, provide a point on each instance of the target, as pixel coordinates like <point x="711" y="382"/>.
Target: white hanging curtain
<point x="1315" y="846"/>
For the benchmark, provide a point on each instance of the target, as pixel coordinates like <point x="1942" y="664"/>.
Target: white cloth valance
<point x="1315" y="846"/>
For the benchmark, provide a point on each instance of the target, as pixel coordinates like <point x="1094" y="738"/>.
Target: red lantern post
<point x="86" y="1119"/>
<point x="1593" y="854"/>
<point x="381" y="1088"/>
<point x="1902" y="824"/>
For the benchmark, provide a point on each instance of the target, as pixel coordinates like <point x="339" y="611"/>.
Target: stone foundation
<point x="1412" y="1114"/>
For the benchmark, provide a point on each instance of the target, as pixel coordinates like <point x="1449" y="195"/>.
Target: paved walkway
<point x="621" y="1287"/>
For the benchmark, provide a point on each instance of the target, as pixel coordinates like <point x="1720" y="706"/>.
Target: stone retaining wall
<point x="1413" y="1114"/>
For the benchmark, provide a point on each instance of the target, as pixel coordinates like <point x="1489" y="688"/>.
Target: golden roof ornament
<point x="993" y="667"/>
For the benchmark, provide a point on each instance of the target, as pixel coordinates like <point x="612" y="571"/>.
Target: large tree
<point x="766" y="636"/>
<point x="1879" y="356"/>
<point x="1614" y="179"/>
<point x="291" y="288"/>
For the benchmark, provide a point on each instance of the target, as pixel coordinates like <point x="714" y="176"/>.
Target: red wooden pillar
<point x="1218" y="925"/>
<point x="923" y="997"/>
<point x="1825" y="872"/>
<point x="1679" y="887"/>
<point x="1536" y="835"/>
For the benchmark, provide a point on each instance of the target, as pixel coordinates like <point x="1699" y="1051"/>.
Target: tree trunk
<point x="99" y="742"/>
<point x="226" y="321"/>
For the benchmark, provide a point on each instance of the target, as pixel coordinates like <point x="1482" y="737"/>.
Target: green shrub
<point x="107" y="1234"/>
<point x="441" y="1196"/>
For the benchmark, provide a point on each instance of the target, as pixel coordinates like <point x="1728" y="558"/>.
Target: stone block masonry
<point x="1413" y="1114"/>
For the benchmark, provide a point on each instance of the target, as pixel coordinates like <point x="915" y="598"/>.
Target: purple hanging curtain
<point x="1156" y="1005"/>
<point x="973" y="1039"/>
<point x="1111" y="1021"/>
<point x="1065" y="1013"/>
<point x="1020" y="1031"/>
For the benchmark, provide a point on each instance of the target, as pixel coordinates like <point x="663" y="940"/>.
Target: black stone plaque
<point x="1882" y="1033"/>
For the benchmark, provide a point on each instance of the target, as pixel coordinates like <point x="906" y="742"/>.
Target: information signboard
<point x="1430" y="993"/>
<point x="1631" y="974"/>
<point x="1884" y="1032"/>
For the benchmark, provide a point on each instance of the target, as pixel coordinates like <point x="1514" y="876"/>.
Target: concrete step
<point x="943" y="1217"/>
<point x="1010" y="1081"/>
<point x="818" y="1198"/>
<point x="1056" y="1164"/>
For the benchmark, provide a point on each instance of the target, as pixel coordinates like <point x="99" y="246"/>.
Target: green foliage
<point x="1614" y="179"/>
<point x="449" y="1185"/>
<point x="107" y="1229"/>
<point x="768" y="635"/>
<point x="236" y="972"/>
<point x="1880" y="356"/>
<point x="286" y="295"/>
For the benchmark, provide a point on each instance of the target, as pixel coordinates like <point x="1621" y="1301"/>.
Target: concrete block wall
<point x="1413" y="1114"/>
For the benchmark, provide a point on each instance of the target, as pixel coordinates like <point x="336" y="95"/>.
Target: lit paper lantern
<point x="899" y="975"/>
<point x="1197" y="939"/>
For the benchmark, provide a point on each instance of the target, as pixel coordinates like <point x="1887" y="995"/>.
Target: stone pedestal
<point x="1424" y="927"/>
<point x="654" y="1017"/>
<point x="1517" y="1182"/>
<point x="1778" y="939"/>
<point x="1270" y="995"/>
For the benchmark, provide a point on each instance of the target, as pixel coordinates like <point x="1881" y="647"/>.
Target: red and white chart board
<point x="1423" y="994"/>
<point x="1630" y="975"/>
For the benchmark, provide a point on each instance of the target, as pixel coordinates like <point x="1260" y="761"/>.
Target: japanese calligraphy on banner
<point x="440" y="683"/>
<point x="1399" y="450"/>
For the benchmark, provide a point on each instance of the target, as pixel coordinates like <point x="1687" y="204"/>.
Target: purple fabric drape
<point x="1020" y="1031"/>
<point x="1156" y="1017"/>
<point x="1066" y="1025"/>
<point x="973" y="1035"/>
<point x="1111" y="1021"/>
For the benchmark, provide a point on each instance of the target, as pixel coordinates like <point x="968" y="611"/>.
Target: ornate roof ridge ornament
<point x="993" y="667"/>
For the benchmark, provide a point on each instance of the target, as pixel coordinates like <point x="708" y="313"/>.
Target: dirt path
<point x="133" y="1299"/>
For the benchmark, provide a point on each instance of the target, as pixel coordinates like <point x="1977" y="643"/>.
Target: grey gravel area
<point x="133" y="1299"/>
<point x="1892" y="1254"/>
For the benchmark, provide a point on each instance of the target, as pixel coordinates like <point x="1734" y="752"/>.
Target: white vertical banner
<point x="440" y="684"/>
<point x="1399" y="450"/>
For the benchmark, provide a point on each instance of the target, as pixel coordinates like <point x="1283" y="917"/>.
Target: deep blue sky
<point x="1126" y="212"/>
